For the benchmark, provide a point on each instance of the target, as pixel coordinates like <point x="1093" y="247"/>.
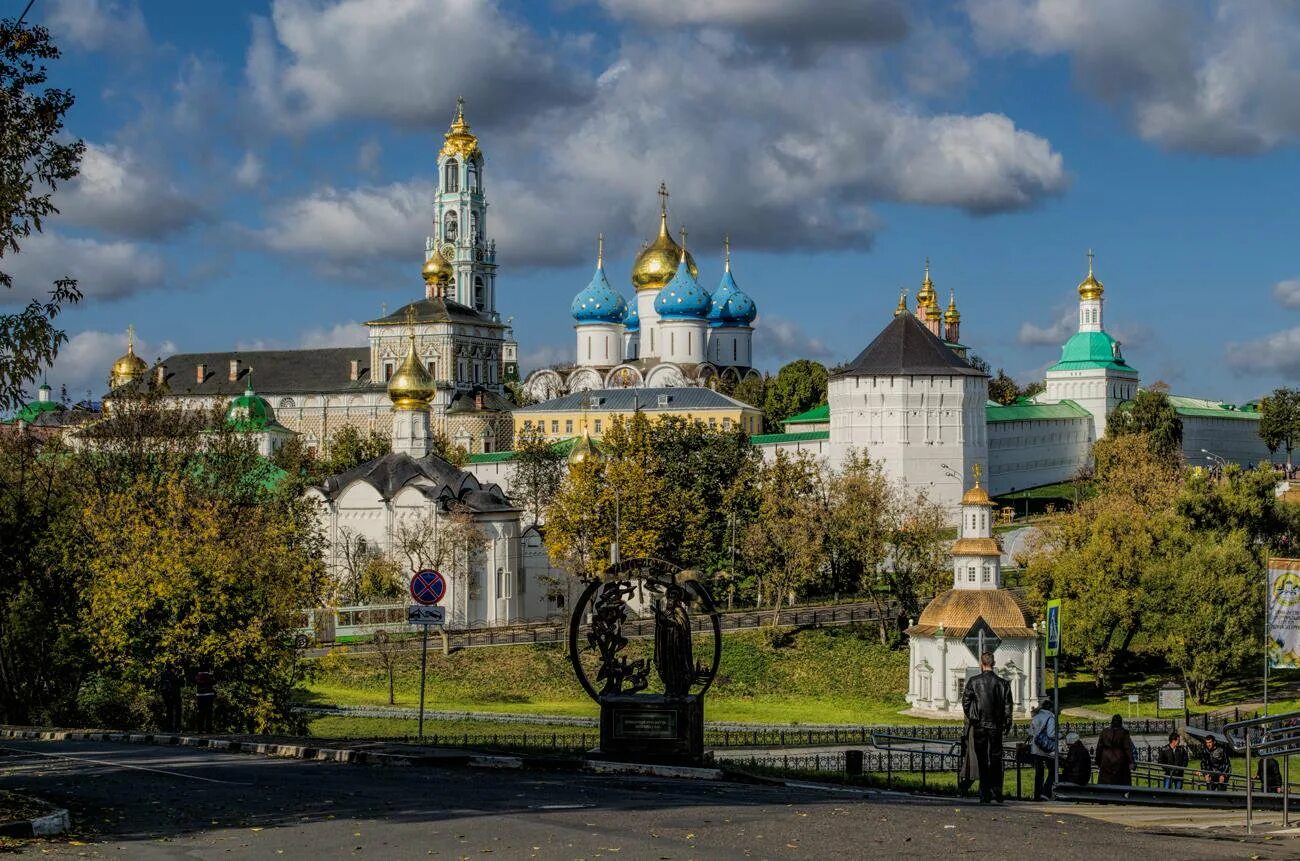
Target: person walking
<point x="1173" y="757"/>
<point x="1115" y="755"/>
<point x="1042" y="748"/>
<point x="1269" y="774"/>
<point x="987" y="705"/>
<point x="1215" y="764"/>
<point x="1078" y="764"/>
<point x="169" y="688"/>
<point x="205" y="696"/>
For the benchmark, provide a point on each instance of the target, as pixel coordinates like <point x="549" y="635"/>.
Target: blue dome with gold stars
<point x="632" y="319"/>
<point x="731" y="306"/>
<point x="682" y="298"/>
<point x="598" y="302"/>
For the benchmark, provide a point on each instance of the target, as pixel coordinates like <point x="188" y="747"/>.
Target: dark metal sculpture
<point x="636" y="722"/>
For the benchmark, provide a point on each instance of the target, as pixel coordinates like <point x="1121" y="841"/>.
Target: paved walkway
<point x="1145" y="818"/>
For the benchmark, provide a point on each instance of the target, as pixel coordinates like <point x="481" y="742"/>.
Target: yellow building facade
<point x="594" y="410"/>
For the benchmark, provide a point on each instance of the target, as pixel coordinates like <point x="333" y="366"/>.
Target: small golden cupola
<point x="584" y="450"/>
<point x="436" y="274"/>
<point x="130" y="367"/>
<point x="1090" y="287"/>
<point x="902" y="304"/>
<point x="925" y="296"/>
<point x="952" y="315"/>
<point x="459" y="140"/>
<point x="411" y="386"/>
<point x="657" y="263"/>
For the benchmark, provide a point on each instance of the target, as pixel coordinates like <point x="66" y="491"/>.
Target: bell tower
<point x="460" y="219"/>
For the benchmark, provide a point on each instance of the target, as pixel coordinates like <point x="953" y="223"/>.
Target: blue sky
<point x="258" y="173"/>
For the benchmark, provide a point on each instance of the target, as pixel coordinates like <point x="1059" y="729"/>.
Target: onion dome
<point x="655" y="265"/>
<point x="411" y="386"/>
<point x="925" y="296"/>
<point x="682" y="298"/>
<point x="932" y="311"/>
<point x="902" y="303"/>
<point x="632" y="318"/>
<point x="436" y="269"/>
<point x="730" y="306"/>
<point x="584" y="450"/>
<point x="1090" y="287"/>
<point x="952" y="315"/>
<point x="977" y="495"/>
<point x="459" y="140"/>
<point x="598" y="302"/>
<point x="129" y="367"/>
<point x="249" y="412"/>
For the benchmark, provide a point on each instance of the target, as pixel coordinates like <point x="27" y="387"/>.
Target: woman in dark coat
<point x="1115" y="755"/>
<point x="1078" y="765"/>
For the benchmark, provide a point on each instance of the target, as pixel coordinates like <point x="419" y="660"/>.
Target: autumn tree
<point x="1279" y="421"/>
<point x="1002" y="388"/>
<point x="862" y="511"/>
<point x="537" y="473"/>
<point x="577" y="538"/>
<point x="36" y="156"/>
<point x="352" y="553"/>
<point x="796" y="388"/>
<point x="1151" y="415"/>
<point x="635" y="496"/>
<point x="919" y="551"/>
<point x="349" y="448"/>
<point x="785" y="542"/>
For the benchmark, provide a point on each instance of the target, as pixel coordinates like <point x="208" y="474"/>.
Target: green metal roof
<point x="250" y="412"/>
<point x="1087" y="350"/>
<point x="1202" y="408"/>
<point x="560" y="446"/>
<point x="994" y="412"/>
<point x="31" y="410"/>
<point x="816" y="414"/>
<point x="776" y="438"/>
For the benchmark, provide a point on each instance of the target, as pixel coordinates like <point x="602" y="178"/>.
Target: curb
<point x="55" y="822"/>
<point x="451" y="759"/>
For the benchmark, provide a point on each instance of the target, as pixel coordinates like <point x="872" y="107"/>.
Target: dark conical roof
<point x="907" y="347"/>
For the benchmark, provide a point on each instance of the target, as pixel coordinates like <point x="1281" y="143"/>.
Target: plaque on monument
<point x="665" y="724"/>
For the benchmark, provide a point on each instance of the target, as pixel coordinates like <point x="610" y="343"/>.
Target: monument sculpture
<point x="635" y="599"/>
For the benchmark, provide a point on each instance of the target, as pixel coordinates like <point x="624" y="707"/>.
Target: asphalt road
<point x="137" y="801"/>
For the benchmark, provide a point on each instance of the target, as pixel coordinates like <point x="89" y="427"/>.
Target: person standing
<point x="1174" y="758"/>
<point x="1078" y="764"/>
<point x="1115" y="755"/>
<point x="1269" y="774"/>
<point x="169" y="688"/>
<point x="1216" y="765"/>
<point x="1042" y="747"/>
<point x="987" y="705"/>
<point x="205" y="696"/>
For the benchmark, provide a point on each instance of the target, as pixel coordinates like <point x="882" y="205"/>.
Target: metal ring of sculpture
<point x="672" y="594"/>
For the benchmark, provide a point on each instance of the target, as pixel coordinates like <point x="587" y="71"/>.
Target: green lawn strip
<point x="332" y="726"/>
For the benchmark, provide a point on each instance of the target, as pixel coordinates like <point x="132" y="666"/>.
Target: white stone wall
<point x="1233" y="439"/>
<point x="820" y="449"/>
<point x="1097" y="390"/>
<point x="682" y="341"/>
<point x="599" y="345"/>
<point x="730" y="346"/>
<point x="645" y="308"/>
<point x="1033" y="453"/>
<point x="927" y="431"/>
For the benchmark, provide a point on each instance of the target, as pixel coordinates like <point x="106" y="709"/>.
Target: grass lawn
<point x="1079" y="691"/>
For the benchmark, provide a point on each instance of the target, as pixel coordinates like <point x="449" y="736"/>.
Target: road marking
<point x="122" y="765"/>
<point x="560" y="806"/>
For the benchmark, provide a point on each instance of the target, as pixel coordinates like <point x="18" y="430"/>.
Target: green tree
<point x="349" y="448"/>
<point x="796" y="388"/>
<point x="1002" y="388"/>
<point x="751" y="390"/>
<point x="36" y="158"/>
<point x="861" y="521"/>
<point x="635" y="491"/>
<point x="537" y="473"/>
<point x="919" y="550"/>
<point x="1279" y="421"/>
<point x="576" y="536"/>
<point x="1151" y="414"/>
<point x="785" y="542"/>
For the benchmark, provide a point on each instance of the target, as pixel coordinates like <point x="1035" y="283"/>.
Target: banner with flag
<point x="1284" y="613"/>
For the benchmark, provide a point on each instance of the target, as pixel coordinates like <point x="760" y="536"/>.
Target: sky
<point x="259" y="174"/>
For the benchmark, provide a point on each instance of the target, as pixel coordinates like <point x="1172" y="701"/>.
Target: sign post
<point x="1053" y="650"/>
<point x="427" y="588"/>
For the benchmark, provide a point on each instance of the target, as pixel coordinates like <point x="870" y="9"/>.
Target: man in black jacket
<point x="987" y="704"/>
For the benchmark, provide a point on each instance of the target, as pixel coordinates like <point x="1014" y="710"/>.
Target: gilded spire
<point x="902" y="303"/>
<point x="951" y="315"/>
<point x="130" y="337"/>
<point x="726" y="253"/>
<point x="976" y="495"/>
<point x="682" y="233"/>
<point x="600" y="251"/>
<point x="459" y="140"/>
<point x="128" y="367"/>
<point x="1090" y="287"/>
<point x="925" y="296"/>
<point x="663" y="209"/>
<point x="658" y="261"/>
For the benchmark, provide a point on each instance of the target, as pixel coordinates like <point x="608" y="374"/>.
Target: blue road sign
<point x="428" y="587"/>
<point x="1053" y="628"/>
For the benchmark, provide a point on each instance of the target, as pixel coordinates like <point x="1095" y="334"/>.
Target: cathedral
<point x="459" y="333"/>
<point x="674" y="333"/>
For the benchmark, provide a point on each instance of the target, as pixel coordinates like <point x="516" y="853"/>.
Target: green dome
<point x="1091" y="350"/>
<point x="249" y="412"/>
<point x="32" y="409"/>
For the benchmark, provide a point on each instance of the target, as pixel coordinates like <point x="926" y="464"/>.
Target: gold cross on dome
<point x="1090" y="256"/>
<point x="663" y="198"/>
<point x="977" y="470"/>
<point x="130" y="337"/>
<point x="410" y="322"/>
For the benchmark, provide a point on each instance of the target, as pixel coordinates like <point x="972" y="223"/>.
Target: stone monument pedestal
<point x="652" y="728"/>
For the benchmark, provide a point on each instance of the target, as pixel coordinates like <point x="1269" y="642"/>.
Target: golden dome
<point x="957" y="610"/>
<point x="952" y="315"/>
<point x="902" y="304"/>
<point x="1090" y="287"/>
<point x="932" y="311"/>
<point x="130" y="367"/>
<point x="411" y="386"/>
<point x="436" y="269"/>
<point x="584" y="451"/>
<point x="459" y="140"/>
<point x="977" y="495"/>
<point x="657" y="263"/>
<point x="925" y="296"/>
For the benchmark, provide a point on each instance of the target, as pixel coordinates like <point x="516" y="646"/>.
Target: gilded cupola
<point x="129" y="367"/>
<point x="411" y="386"/>
<point x="459" y="140"/>
<point x="1090" y="287"/>
<point x="902" y="304"/>
<point x="584" y="450"/>
<point x="952" y="315"/>
<point x="657" y="263"/>
<point x="925" y="296"/>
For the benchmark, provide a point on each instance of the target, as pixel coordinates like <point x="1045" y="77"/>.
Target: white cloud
<point x="1216" y="77"/>
<point x="347" y="227"/>
<point x="403" y="61"/>
<point x="104" y="270"/>
<point x="775" y="22"/>
<point x="343" y="335"/>
<point x="98" y="25"/>
<point x="1054" y="334"/>
<point x="1287" y="293"/>
<point x="117" y="193"/>
<point x="248" y="172"/>
<point x="1278" y="353"/>
<point x="778" y="338"/>
<point x="368" y="156"/>
<point x="84" y="361"/>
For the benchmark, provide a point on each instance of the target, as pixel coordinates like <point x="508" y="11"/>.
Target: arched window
<point x="473" y="227"/>
<point x="286" y="404"/>
<point x="449" y="226"/>
<point x="451" y="175"/>
<point x="471" y="169"/>
<point x="480" y="293"/>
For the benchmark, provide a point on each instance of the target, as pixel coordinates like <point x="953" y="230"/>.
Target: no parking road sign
<point x="428" y="587"/>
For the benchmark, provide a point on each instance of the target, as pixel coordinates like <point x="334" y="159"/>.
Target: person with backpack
<point x="1042" y="750"/>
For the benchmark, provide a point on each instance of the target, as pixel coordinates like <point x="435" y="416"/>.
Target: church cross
<point x="726" y="245"/>
<point x="1090" y="256"/>
<point x="130" y="337"/>
<point x="663" y="198"/>
<point x="977" y="470"/>
<point x="410" y="322"/>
